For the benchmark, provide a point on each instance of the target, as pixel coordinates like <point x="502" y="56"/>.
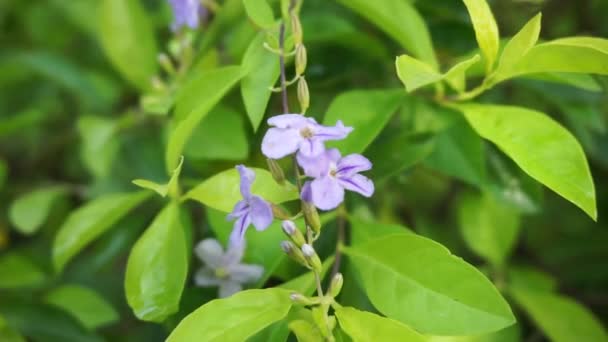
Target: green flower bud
<point x="276" y="171"/>
<point x="303" y="95"/>
<point x="294" y="253"/>
<point x="312" y="257"/>
<point x="279" y="213"/>
<point x="293" y="233"/>
<point x="303" y="300"/>
<point x="336" y="285"/>
<point x="166" y="63"/>
<point x="301" y="59"/>
<point x="296" y="29"/>
<point x="312" y="217"/>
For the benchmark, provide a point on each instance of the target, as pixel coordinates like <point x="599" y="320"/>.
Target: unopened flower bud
<point x="293" y="232"/>
<point x="294" y="252"/>
<point x="301" y="59"/>
<point x="279" y="213"/>
<point x="312" y="216"/>
<point x="158" y="84"/>
<point x="166" y="63"/>
<point x="296" y="29"/>
<point x="311" y="256"/>
<point x="336" y="285"/>
<point x="301" y="299"/>
<point x="276" y="171"/>
<point x="303" y="95"/>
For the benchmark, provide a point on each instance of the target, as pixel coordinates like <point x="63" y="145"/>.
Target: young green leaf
<point x="305" y="331"/>
<point x="519" y="45"/>
<point x="489" y="226"/>
<point x="192" y="107"/>
<point x="29" y="212"/>
<point x="419" y="274"/>
<point x="540" y="146"/>
<point x="17" y="271"/>
<point x="368" y="111"/>
<point x="234" y="318"/>
<point x="416" y="74"/>
<point x="123" y="25"/>
<point x="363" y="326"/>
<point x="222" y="191"/>
<point x="305" y="284"/>
<point x="158" y="266"/>
<point x="262" y="73"/>
<point x="486" y="30"/>
<point x="260" y="12"/>
<point x="456" y="76"/>
<point x="222" y="135"/>
<point x="528" y="278"/>
<point x="99" y="147"/>
<point x="400" y="20"/>
<point x="88" y="222"/>
<point x="172" y="187"/>
<point x="86" y="305"/>
<point x="560" y="318"/>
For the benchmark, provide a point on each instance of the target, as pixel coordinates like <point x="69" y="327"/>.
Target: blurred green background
<point x="70" y="122"/>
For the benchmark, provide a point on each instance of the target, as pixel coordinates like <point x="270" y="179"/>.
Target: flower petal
<point x="228" y="288"/>
<point x="311" y="147"/>
<point x="240" y="208"/>
<point x="326" y="193"/>
<point x="290" y="121"/>
<point x="205" y="277"/>
<point x="260" y="212"/>
<point x="210" y="252"/>
<point x="245" y="273"/>
<point x="306" y="194"/>
<point x="358" y="183"/>
<point x="280" y="142"/>
<point x="313" y="166"/>
<point x="337" y="132"/>
<point x="234" y="254"/>
<point x="247" y="177"/>
<point x="238" y="230"/>
<point x="185" y="13"/>
<point x="353" y="163"/>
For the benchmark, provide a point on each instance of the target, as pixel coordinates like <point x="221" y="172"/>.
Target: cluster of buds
<point x="301" y="61"/>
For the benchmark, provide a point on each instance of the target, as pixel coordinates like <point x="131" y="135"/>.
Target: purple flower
<point x="295" y="132"/>
<point x="187" y="13"/>
<point x="224" y="269"/>
<point x="252" y="209"/>
<point x="334" y="173"/>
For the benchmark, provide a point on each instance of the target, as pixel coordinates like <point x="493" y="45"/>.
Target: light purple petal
<point x="247" y="177"/>
<point x="240" y="208"/>
<point x="244" y="273"/>
<point x="238" y="230"/>
<point x="337" y="132"/>
<point x="210" y="252"/>
<point x="280" y="142"/>
<point x="234" y="254"/>
<point x="358" y="183"/>
<point x="353" y="163"/>
<point x="306" y="194"/>
<point x="185" y="13"/>
<point x="326" y="193"/>
<point x="313" y="166"/>
<point x="290" y="121"/>
<point x="311" y="147"/>
<point x="228" y="288"/>
<point x="205" y="277"/>
<point x="260" y="212"/>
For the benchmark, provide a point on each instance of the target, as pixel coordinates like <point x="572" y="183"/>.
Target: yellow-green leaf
<point x="519" y="45"/>
<point x="29" y="212"/>
<point x="486" y="30"/>
<point x="86" y="305"/>
<point x="363" y="326"/>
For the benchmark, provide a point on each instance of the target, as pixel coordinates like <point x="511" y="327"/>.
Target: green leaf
<point x="486" y="30"/>
<point x="556" y="159"/>
<point x="510" y="334"/>
<point x="84" y="304"/>
<point x="29" y="212"/>
<point x="17" y="271"/>
<point x="220" y="136"/>
<point x="398" y="153"/>
<point x="364" y="326"/>
<point x="172" y="187"/>
<point x="305" y="331"/>
<point x="489" y="226"/>
<point x="419" y="274"/>
<point x="192" y="107"/>
<point x="3" y="173"/>
<point x="262" y="73"/>
<point x="158" y="266"/>
<point x="519" y="45"/>
<point x="90" y="221"/>
<point x="306" y="283"/>
<point x="416" y="74"/>
<point x="99" y="145"/>
<point x="124" y="25"/>
<point x="260" y="12"/>
<point x="222" y="191"/>
<point x="400" y="20"/>
<point x="567" y="55"/>
<point x="234" y="318"/>
<point x="363" y="231"/>
<point x="8" y="334"/>
<point x="367" y="111"/>
<point x="560" y="318"/>
<point x="531" y="279"/>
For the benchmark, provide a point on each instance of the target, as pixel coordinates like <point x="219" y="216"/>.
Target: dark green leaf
<point x="29" y="212"/>
<point x="84" y="304"/>
<point x="17" y="271"/>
